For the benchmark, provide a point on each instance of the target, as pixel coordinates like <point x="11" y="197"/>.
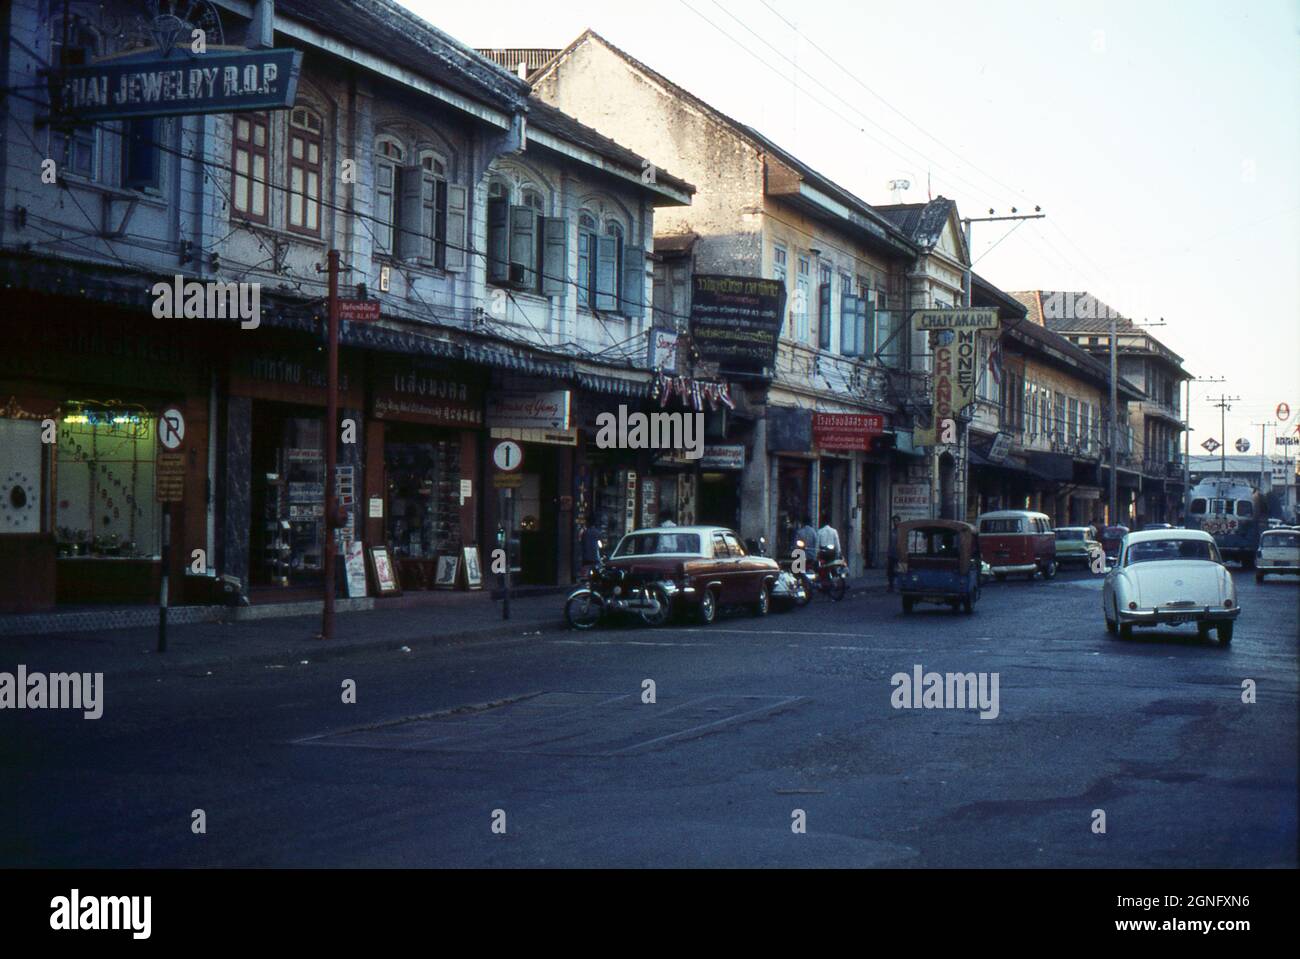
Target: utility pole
<point x="1224" y="404"/>
<point x="1187" y="436"/>
<point x="1112" y="490"/>
<point x="1263" y="451"/>
<point x="967" y="287"/>
<point x="331" y="446"/>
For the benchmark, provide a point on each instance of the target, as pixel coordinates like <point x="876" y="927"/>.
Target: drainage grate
<point x="561" y="723"/>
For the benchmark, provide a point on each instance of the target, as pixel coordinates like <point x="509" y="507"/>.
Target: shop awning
<point x="1054" y="467"/>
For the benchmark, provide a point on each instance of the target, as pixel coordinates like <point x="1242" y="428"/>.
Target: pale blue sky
<point x="1161" y="138"/>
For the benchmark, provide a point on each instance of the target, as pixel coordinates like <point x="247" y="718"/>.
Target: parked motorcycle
<point x="610" y="589"/>
<point x="829" y="573"/>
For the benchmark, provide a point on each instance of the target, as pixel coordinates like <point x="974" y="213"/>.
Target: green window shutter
<point x="498" y="240"/>
<point x="555" y="255"/>
<point x="850" y="322"/>
<point x="456" y="240"/>
<point x="523" y="247"/>
<point x="824" y="316"/>
<point x="633" y="282"/>
<point x="607" y="273"/>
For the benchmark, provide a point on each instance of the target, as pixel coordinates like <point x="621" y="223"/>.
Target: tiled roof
<point x="388" y="30"/>
<point x="924" y="223"/>
<point x="533" y="58"/>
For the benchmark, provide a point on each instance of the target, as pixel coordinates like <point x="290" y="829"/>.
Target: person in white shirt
<point x="828" y="539"/>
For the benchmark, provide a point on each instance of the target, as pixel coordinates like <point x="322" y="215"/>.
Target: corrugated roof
<point x="924" y="223"/>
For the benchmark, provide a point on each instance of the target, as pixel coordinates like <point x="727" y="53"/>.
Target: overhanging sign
<point x="954" y="319"/>
<point x="149" y="85"/>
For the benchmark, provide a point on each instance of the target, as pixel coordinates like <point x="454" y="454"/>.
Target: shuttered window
<point x="251" y="163"/>
<point x="305" y="164"/>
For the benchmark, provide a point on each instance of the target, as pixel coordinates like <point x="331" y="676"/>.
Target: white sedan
<point x="1170" y="576"/>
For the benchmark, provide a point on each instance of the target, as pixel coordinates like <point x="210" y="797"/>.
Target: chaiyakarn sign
<point x="954" y="343"/>
<point x="150" y="85"/>
<point x="736" y="320"/>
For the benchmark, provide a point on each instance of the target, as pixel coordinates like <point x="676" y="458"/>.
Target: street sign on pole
<point x="508" y="456"/>
<point x="1283" y="412"/>
<point x="1210" y="445"/>
<point x="171" y="428"/>
<point x="1243" y="445"/>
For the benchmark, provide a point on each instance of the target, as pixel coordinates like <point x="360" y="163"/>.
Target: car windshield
<point x="1198" y="506"/>
<point x="1157" y="550"/>
<point x="648" y="544"/>
<point x="1000" y="525"/>
<point x="1245" y="507"/>
<point x="1069" y="534"/>
<point x="1280" y="541"/>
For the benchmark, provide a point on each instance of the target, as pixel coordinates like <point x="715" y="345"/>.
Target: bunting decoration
<point x="692" y="392"/>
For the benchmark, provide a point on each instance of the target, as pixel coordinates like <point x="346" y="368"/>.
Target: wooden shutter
<point x="523" y="247"/>
<point x="850" y="321"/>
<point x="457" y="236"/>
<point x="498" y="240"/>
<point x="633" y="282"/>
<point x="418" y="210"/>
<point x="607" y="273"/>
<point x="555" y="255"/>
<point x="824" y="316"/>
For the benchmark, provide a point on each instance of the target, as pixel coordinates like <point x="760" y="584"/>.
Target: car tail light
<point x="1227" y="603"/>
<point x="1132" y="605"/>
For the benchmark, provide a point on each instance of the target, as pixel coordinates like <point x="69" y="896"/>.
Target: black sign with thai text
<point x="736" y="320"/>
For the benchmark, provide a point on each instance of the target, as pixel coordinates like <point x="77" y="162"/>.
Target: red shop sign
<point x="846" y="431"/>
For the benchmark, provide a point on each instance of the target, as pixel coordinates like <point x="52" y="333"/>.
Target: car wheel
<point x="764" y="602"/>
<point x="1203" y="629"/>
<point x="1111" y="626"/>
<point x="1259" y="577"/>
<point x="1049" y="571"/>
<point x="1000" y="577"/>
<point x="708" y="607"/>
<point x="1225" y="633"/>
<point x="908" y="604"/>
<point x="1125" y="629"/>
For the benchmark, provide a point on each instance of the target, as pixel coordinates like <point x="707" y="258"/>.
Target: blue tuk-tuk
<point x="938" y="562"/>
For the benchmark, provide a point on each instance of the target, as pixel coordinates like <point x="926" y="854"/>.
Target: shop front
<point x="424" y="475"/>
<point x="534" y="500"/>
<point x="81" y="394"/>
<point x="275" y="532"/>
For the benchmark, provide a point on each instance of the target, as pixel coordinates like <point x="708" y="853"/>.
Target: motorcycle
<point x="829" y="574"/>
<point x="789" y="589"/>
<point x="611" y="589"/>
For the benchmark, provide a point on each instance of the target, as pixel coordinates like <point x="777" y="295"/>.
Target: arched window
<point x="251" y="160"/>
<point x="526" y="248"/>
<point x="305" y="169"/>
<point x="434" y="163"/>
<point x="389" y="156"/>
<point x="588" y="228"/>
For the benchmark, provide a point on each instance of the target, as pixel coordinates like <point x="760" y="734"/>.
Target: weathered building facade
<point x="506" y="246"/>
<point x="845" y="348"/>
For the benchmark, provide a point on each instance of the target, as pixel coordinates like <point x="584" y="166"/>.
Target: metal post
<point x="1114" y="423"/>
<point x="331" y="445"/>
<point x="166" y="562"/>
<point x="508" y="523"/>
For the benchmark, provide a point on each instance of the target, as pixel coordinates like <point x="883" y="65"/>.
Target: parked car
<point x="938" y="562"/>
<point x="1017" y="541"/>
<point x="1278" y="552"/>
<point x="1170" y="577"/>
<point x="789" y="591"/>
<point x="1110" y="538"/>
<point x="700" y="568"/>
<point x="1147" y="527"/>
<point x="1076" y="544"/>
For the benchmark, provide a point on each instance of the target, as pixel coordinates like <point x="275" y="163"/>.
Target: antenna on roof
<point x="897" y="188"/>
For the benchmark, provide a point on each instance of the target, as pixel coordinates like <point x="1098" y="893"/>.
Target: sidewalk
<point x="199" y="646"/>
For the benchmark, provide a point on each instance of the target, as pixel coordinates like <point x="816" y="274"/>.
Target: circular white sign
<point x="171" y="428"/>
<point x="508" y="456"/>
<point x="1243" y="445"/>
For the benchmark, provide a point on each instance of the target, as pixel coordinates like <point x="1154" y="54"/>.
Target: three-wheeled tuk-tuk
<point x="938" y="562"/>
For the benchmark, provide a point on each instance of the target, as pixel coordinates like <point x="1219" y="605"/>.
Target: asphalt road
<point x="753" y="720"/>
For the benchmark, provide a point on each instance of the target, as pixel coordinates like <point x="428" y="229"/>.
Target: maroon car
<point x="699" y="568"/>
